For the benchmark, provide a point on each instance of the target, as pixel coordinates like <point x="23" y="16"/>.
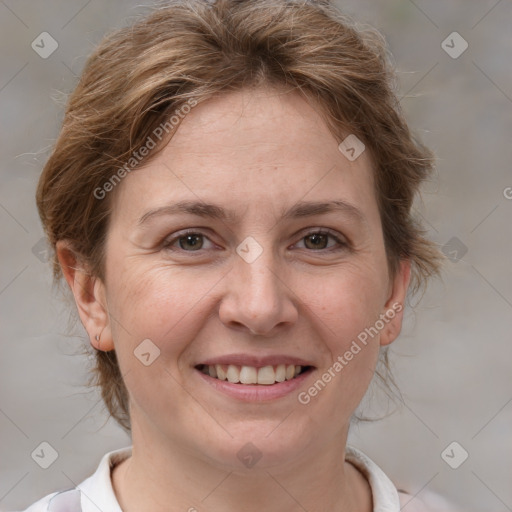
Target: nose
<point x="257" y="297"/>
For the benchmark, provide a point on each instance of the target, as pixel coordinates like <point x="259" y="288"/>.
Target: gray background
<point x="452" y="361"/>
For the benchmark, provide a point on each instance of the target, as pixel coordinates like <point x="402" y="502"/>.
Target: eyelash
<point x="168" y="243"/>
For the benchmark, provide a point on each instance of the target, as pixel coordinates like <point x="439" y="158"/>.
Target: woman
<point x="229" y="201"/>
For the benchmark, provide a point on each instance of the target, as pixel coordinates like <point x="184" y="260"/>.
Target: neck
<point x="175" y="479"/>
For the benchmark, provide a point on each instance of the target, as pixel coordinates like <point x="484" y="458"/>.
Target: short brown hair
<point x="192" y="50"/>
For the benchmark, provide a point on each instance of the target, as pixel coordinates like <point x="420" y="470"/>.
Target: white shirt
<point x="96" y="494"/>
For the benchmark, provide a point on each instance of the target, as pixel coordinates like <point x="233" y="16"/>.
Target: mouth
<point x="251" y="375"/>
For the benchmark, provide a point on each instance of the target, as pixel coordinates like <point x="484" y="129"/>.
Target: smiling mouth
<point x="266" y="375"/>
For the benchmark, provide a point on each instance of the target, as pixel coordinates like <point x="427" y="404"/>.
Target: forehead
<point x="268" y="123"/>
<point x="250" y="147"/>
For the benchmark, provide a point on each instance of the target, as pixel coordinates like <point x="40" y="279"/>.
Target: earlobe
<point x="394" y="308"/>
<point x="89" y="294"/>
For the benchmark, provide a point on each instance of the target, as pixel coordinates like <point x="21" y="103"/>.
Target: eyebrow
<point x="213" y="211"/>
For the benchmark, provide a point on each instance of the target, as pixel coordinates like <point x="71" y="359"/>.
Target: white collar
<point x="97" y="493"/>
<point x="384" y="493"/>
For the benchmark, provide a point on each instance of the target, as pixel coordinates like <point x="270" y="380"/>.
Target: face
<point x="247" y="271"/>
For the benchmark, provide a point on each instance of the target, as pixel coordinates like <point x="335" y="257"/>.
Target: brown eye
<point x="319" y="241"/>
<point x="194" y="241"/>
<point x="189" y="241"/>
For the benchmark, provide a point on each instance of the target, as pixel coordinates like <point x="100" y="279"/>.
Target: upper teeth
<point x="251" y="375"/>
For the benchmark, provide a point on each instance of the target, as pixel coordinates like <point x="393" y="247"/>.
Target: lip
<point x="258" y="392"/>
<point x="256" y="361"/>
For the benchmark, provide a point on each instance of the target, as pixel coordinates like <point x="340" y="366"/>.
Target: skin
<point x="257" y="152"/>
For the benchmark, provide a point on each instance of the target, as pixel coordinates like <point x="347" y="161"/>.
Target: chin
<point x="258" y="445"/>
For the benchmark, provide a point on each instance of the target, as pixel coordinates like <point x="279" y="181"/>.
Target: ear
<point x="394" y="307"/>
<point x="89" y="294"/>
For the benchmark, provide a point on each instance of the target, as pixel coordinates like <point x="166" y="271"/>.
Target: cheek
<point x="351" y="351"/>
<point x="159" y="304"/>
<point x="170" y="305"/>
<point x="162" y="306"/>
<point x="346" y="309"/>
<point x="346" y="301"/>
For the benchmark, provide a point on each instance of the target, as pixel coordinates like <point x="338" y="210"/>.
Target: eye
<point x="318" y="241"/>
<point x="188" y="241"/>
<point x="194" y="241"/>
